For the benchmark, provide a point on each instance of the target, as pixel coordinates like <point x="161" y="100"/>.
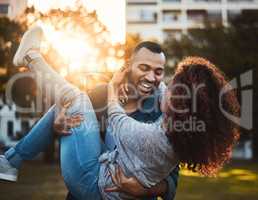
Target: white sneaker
<point x="31" y="40"/>
<point x="7" y="172"/>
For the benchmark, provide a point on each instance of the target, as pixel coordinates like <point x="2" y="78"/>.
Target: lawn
<point x="44" y="182"/>
<point x="37" y="181"/>
<point x="235" y="182"/>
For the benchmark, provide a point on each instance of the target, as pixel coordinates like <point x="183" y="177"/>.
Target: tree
<point x="93" y="33"/>
<point x="234" y="49"/>
<point x="10" y="34"/>
<point x="131" y="41"/>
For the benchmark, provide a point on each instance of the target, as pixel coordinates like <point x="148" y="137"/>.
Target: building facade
<point x="159" y="19"/>
<point x="4" y="7"/>
<point x="12" y="8"/>
<point x="12" y="126"/>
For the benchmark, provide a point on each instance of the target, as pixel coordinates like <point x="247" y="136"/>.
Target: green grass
<point x="38" y="181"/>
<point x="235" y="182"/>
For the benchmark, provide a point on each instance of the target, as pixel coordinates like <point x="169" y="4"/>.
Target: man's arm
<point x="172" y="181"/>
<point x="165" y="189"/>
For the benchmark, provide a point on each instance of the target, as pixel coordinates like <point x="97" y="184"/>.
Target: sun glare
<point x="110" y="12"/>
<point x="69" y="37"/>
<point x="74" y="48"/>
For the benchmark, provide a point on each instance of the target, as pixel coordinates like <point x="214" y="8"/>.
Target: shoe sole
<point x="8" y="177"/>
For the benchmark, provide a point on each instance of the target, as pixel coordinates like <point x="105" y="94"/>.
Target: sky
<point x="110" y="12"/>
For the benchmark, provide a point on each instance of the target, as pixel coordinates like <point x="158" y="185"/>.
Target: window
<point x="172" y="16"/>
<point x="197" y="16"/>
<point x="215" y="16"/>
<point x="4" y="8"/>
<point x="176" y="34"/>
<point x="233" y="14"/>
<point x="25" y="127"/>
<point x="141" y="16"/>
<point x="207" y="0"/>
<point x="239" y="1"/>
<point x="10" y="131"/>
<point x="172" y="0"/>
<point x="148" y="16"/>
<point x="141" y="2"/>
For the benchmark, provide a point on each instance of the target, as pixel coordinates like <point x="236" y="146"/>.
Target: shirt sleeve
<point x="120" y="122"/>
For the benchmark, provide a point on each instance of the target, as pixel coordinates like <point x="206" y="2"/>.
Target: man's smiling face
<point x="147" y="71"/>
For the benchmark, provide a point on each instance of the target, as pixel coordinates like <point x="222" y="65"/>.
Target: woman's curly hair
<point x="206" y="148"/>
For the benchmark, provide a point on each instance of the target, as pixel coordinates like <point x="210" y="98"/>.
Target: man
<point x="147" y="71"/>
<point x="147" y="65"/>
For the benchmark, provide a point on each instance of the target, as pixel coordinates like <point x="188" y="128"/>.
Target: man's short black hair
<point x="152" y="46"/>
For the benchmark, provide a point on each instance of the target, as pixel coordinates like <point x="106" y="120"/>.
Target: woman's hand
<point x="118" y="86"/>
<point x="120" y="77"/>
<point x="64" y="123"/>
<point x="129" y="185"/>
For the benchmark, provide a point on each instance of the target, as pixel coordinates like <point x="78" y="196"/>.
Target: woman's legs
<point x="56" y="86"/>
<point x="80" y="152"/>
<point x="28" y="54"/>
<point x="42" y="133"/>
<point x="36" y="141"/>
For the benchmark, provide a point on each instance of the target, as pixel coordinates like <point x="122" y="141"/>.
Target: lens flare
<point x="73" y="47"/>
<point x="75" y="39"/>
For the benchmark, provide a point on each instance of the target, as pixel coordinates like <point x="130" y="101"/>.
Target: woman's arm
<point x="118" y="119"/>
<point x="121" y="123"/>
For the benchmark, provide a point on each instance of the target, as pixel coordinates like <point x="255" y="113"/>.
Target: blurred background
<point x="90" y="39"/>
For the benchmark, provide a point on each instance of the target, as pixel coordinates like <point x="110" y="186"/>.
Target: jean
<point x="79" y="152"/>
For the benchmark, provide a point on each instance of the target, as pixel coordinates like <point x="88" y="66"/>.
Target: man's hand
<point x="129" y="185"/>
<point x="63" y="123"/>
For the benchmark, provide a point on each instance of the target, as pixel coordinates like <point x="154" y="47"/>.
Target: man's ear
<point x="127" y="63"/>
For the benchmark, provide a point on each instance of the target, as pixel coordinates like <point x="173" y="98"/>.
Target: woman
<point x="148" y="152"/>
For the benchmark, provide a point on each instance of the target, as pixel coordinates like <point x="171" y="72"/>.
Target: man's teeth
<point x="146" y="85"/>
